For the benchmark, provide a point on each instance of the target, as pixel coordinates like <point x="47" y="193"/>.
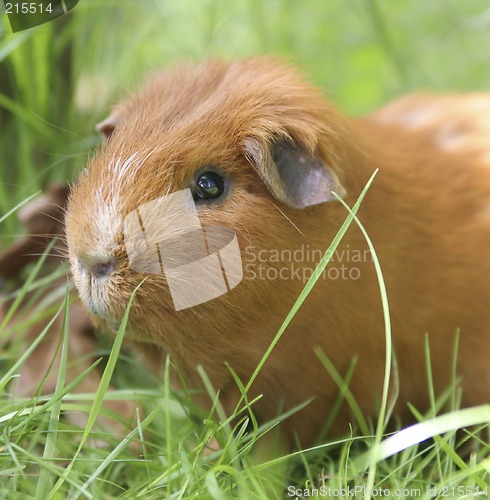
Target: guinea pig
<point x="252" y="147"/>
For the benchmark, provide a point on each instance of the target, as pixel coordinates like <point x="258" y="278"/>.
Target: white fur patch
<point x="93" y="295"/>
<point x="453" y="135"/>
<point x="125" y="170"/>
<point x="121" y="169"/>
<point x="411" y="117"/>
<point x="108" y="221"/>
<point x="108" y="206"/>
<point x="450" y="137"/>
<point x="454" y="122"/>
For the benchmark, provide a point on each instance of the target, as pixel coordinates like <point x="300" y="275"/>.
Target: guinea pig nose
<point x="99" y="268"/>
<point x="104" y="268"/>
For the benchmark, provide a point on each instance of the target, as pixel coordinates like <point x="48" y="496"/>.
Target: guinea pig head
<point x="246" y="147"/>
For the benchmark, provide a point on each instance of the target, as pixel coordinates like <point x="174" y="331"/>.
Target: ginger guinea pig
<point x="251" y="147"/>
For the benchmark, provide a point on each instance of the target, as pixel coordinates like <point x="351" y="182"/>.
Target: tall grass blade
<point x="388" y="350"/>
<point x="43" y="485"/>
<point x="99" y="396"/>
<point x="311" y="282"/>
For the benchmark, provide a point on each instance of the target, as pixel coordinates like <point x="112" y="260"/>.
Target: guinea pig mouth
<point x="98" y="307"/>
<point x="98" y="313"/>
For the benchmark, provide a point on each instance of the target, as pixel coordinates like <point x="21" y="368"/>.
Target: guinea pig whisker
<point x="289" y="220"/>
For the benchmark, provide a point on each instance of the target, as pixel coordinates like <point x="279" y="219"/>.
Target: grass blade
<point x="388" y="350"/>
<point x="43" y="484"/>
<point x="311" y="282"/>
<point x="99" y="396"/>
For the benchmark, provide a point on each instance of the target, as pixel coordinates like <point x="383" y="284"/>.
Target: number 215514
<point x="27" y="8"/>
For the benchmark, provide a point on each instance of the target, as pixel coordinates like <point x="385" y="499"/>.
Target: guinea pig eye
<point x="208" y="185"/>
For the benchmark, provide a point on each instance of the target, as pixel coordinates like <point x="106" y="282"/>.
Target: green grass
<point x="56" y="82"/>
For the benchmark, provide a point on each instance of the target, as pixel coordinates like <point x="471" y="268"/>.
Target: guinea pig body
<point x="276" y="150"/>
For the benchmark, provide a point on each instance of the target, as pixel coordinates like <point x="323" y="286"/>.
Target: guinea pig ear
<point x="106" y="127"/>
<point x="293" y="175"/>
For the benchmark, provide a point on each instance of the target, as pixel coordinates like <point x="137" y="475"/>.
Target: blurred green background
<point x="59" y="79"/>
